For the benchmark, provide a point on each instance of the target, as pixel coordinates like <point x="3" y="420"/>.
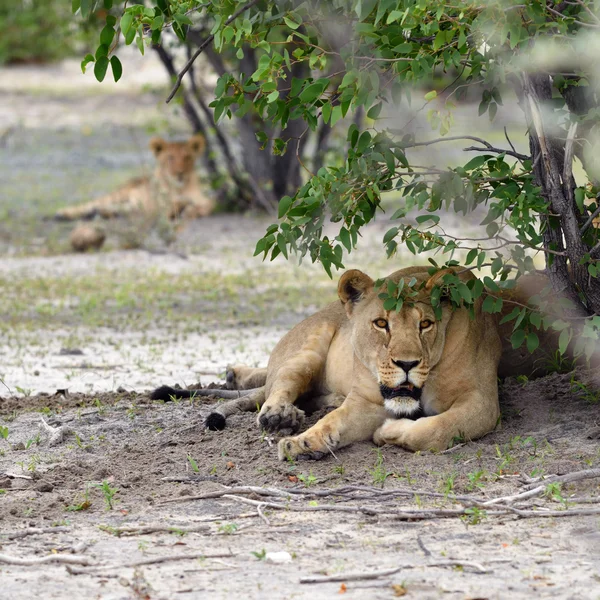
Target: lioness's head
<point x="399" y="348"/>
<point x="176" y="159"/>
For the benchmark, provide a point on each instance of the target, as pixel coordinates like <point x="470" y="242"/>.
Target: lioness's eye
<point x="426" y="324"/>
<point x="381" y="323"/>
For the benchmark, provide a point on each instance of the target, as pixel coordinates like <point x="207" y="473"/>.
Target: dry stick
<point x="263" y="516"/>
<point x="202" y="47"/>
<point x="126" y="531"/>
<point x="249" y="489"/>
<point x="146" y="561"/>
<point x="71" y="559"/>
<point x="568" y="478"/>
<point x="368" y="510"/>
<point x="479" y="568"/>
<point x="17" y="535"/>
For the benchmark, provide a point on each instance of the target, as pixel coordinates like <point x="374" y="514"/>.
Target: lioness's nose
<point x="406" y="365"/>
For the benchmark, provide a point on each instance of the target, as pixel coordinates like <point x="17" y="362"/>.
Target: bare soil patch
<point x="157" y="457"/>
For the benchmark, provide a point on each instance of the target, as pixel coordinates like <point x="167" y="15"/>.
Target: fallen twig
<point x="147" y="529"/>
<point x="567" y="478"/>
<point x="358" y="576"/>
<point x="248" y="489"/>
<point x="17" y="535"/>
<point x="263" y="516"/>
<point x="145" y="562"/>
<point x="69" y="559"/>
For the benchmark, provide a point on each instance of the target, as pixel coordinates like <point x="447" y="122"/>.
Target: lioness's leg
<point x="356" y="420"/>
<point x="242" y="377"/>
<point x="469" y="418"/>
<point x="293" y="378"/>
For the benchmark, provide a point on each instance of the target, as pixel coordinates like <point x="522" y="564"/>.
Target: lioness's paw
<point x="392" y="431"/>
<point x="281" y="417"/>
<point x="307" y="447"/>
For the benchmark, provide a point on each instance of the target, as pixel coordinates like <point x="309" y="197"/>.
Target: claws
<point x="281" y="418"/>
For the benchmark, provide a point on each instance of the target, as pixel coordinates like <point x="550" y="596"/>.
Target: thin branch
<point x="203" y="45"/>
<point x="147" y="561"/>
<point x="481" y="141"/>
<point x="69" y="559"/>
<point x="358" y="576"/>
<point x="590" y="220"/>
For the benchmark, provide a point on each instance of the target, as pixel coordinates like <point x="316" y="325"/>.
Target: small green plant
<point x="193" y="464"/>
<point x="473" y="515"/>
<point x="523" y="380"/>
<point x="339" y="469"/>
<point x="228" y="528"/>
<point x="378" y="472"/>
<point x="559" y="363"/>
<point x="83" y="505"/>
<point x="448" y="481"/>
<point x="307" y="480"/>
<point x="260" y="555"/>
<point x="584" y="391"/>
<point x="476" y="480"/>
<point x="553" y="491"/>
<point x="143" y="546"/>
<point x="3" y="432"/>
<point x="109" y="494"/>
<point x="457" y="440"/>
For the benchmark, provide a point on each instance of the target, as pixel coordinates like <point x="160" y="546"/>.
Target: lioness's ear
<point x="353" y="285"/>
<point x="197" y="143"/>
<point x="462" y="275"/>
<point x="157" y="145"/>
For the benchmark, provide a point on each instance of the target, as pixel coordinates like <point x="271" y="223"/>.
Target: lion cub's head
<point x="399" y="348"/>
<point x="176" y="159"/>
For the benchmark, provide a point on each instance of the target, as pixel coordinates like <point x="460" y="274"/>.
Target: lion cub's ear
<point x="197" y="143"/>
<point x="353" y="285"/>
<point x="157" y="145"/>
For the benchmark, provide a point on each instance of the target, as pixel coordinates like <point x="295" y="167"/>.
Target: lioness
<point x="401" y="378"/>
<point x="173" y="190"/>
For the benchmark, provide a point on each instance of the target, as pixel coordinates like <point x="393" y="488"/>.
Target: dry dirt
<point x="157" y="457"/>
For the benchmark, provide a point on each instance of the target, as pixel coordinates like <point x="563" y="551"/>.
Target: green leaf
<point x="533" y="341"/>
<point x="488" y="304"/>
<point x="471" y="256"/>
<point x="476" y="162"/>
<point x="284" y="206"/>
<point x="563" y="340"/>
<point x="117" y="67"/>
<point x="390" y="234"/>
<point x="579" y="198"/>
<point x="517" y="338"/>
<point x="430" y="95"/>
<point x="374" y="111"/>
<point x="363" y="142"/>
<point x="84" y="63"/>
<point x="126" y="21"/>
<point x="106" y="35"/>
<point x="345" y="238"/>
<point x="100" y="68"/>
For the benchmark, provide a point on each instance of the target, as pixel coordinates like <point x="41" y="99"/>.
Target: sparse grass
<point x="379" y="472"/>
<point x="308" y="480"/>
<point x="109" y="494"/>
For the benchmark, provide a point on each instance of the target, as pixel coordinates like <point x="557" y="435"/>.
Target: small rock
<point x="44" y="486"/>
<point x="278" y="557"/>
<point x="185" y="492"/>
<point x="70" y="352"/>
<point x="5" y="483"/>
<point x="18" y="446"/>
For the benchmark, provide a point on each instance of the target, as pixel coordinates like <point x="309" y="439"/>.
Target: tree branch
<point x="203" y="45"/>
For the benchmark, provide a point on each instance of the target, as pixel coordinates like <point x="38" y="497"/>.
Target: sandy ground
<point x="84" y="337"/>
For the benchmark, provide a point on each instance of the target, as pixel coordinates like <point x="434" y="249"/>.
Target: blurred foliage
<point x="41" y="31"/>
<point x="356" y="56"/>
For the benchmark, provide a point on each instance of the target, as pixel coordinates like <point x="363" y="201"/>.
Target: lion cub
<point x="173" y="190"/>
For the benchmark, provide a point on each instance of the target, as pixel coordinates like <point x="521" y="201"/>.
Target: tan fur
<point x="87" y="237"/>
<point x="173" y="190"/>
<point x="339" y="354"/>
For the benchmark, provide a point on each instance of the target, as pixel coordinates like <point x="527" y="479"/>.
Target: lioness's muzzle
<point x="406" y="389"/>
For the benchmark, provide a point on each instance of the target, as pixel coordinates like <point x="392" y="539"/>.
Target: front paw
<point x="307" y="446"/>
<point x="281" y="417"/>
<point x="393" y="431"/>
